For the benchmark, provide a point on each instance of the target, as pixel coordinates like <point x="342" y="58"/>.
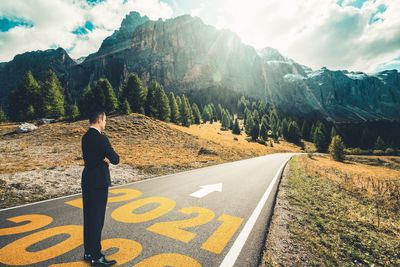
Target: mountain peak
<point x="131" y="21"/>
<point x="55" y="53"/>
<point x="120" y="37"/>
<point x="269" y="53"/>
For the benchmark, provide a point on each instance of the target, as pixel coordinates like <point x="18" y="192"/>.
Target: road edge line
<point x="232" y="255"/>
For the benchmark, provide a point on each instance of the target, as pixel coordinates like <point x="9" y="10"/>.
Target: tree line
<point x="34" y="99"/>
<point x="262" y="122"/>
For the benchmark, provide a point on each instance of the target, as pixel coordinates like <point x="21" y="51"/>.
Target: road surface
<point x="211" y="216"/>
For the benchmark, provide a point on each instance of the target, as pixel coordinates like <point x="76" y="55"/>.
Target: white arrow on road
<point x="207" y="189"/>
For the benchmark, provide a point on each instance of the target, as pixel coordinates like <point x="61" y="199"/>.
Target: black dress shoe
<point x="102" y="262"/>
<point x="87" y="257"/>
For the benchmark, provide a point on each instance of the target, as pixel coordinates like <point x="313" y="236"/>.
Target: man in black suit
<point x="97" y="154"/>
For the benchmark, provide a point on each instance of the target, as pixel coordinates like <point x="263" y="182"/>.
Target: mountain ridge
<point x="185" y="54"/>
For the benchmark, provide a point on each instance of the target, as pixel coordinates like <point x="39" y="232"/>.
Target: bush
<point x="391" y="151"/>
<point x="378" y="152"/>
<point x="336" y="148"/>
<point x="357" y="151"/>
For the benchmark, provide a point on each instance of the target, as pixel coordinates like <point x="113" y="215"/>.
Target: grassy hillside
<point x="48" y="162"/>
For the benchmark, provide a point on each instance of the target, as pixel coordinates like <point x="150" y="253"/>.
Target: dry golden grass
<point x="358" y="175"/>
<point x="141" y="141"/>
<point x="212" y="132"/>
<point x="340" y="214"/>
<point x="355" y="168"/>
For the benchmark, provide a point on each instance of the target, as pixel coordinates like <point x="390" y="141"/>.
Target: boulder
<point x="26" y="127"/>
<point x="45" y="121"/>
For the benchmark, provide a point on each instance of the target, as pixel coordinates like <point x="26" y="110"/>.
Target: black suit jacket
<point x="96" y="147"/>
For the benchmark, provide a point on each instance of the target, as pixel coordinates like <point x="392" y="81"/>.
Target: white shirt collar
<point x="95" y="128"/>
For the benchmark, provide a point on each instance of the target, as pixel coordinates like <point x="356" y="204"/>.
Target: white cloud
<point x="314" y="32"/>
<point x="53" y="23"/>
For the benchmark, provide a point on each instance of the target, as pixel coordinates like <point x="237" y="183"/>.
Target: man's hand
<point x="107" y="161"/>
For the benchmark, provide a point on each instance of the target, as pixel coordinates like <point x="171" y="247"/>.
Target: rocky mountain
<point x="11" y="73"/>
<point x="182" y="53"/>
<point x="340" y="95"/>
<point x="185" y="54"/>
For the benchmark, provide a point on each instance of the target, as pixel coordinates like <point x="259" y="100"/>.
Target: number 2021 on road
<point x="172" y="229"/>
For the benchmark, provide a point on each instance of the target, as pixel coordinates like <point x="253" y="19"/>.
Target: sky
<point x="357" y="35"/>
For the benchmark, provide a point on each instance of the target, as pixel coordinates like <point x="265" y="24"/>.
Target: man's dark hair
<point x="95" y="115"/>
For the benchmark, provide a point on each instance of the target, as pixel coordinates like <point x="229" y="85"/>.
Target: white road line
<point x="237" y="246"/>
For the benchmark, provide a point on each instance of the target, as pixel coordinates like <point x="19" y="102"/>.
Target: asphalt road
<point x="212" y="216"/>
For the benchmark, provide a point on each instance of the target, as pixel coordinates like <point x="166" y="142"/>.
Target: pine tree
<point x="30" y="114"/>
<point x="236" y="127"/>
<point x="185" y="112"/>
<point x="336" y="148"/>
<point x="219" y="112"/>
<point x="367" y="139"/>
<point x="151" y="101"/>
<point x="174" y="108"/>
<point x="293" y="132"/>
<point x="256" y="117"/>
<point x="320" y="140"/>
<point x="135" y="92"/>
<point x="87" y="103"/>
<point x="249" y="124"/>
<point x="191" y="116"/>
<point x="246" y="113"/>
<point x="126" y="107"/>
<point x="324" y="129"/>
<point x="72" y="112"/>
<point x="312" y="131"/>
<point x="52" y="97"/>
<point x="379" y="144"/>
<point x="111" y="102"/>
<point x="226" y="120"/>
<point x="178" y="101"/>
<point x="214" y="112"/>
<point x="305" y="130"/>
<point x="104" y="95"/>
<point x="163" y="111"/>
<point x="25" y="100"/>
<point x="263" y="129"/>
<point x="206" y="113"/>
<point x="284" y="128"/>
<point x="196" y="113"/>
<point x="3" y="117"/>
<point x="100" y="96"/>
<point x="255" y="131"/>
<point x="241" y="104"/>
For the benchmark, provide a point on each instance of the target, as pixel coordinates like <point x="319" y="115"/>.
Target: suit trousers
<point x="94" y="208"/>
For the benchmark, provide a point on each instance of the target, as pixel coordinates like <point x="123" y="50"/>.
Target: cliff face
<point x="185" y="54"/>
<point x="182" y="53"/>
<point x="337" y="95"/>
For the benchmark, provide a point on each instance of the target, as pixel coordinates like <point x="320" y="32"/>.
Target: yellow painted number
<point x="127" y="251"/>
<point x="126" y="212"/>
<point x="36" y="221"/>
<point x="127" y="194"/>
<point x="16" y="253"/>
<point x="221" y="236"/>
<point x="173" y="229"/>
